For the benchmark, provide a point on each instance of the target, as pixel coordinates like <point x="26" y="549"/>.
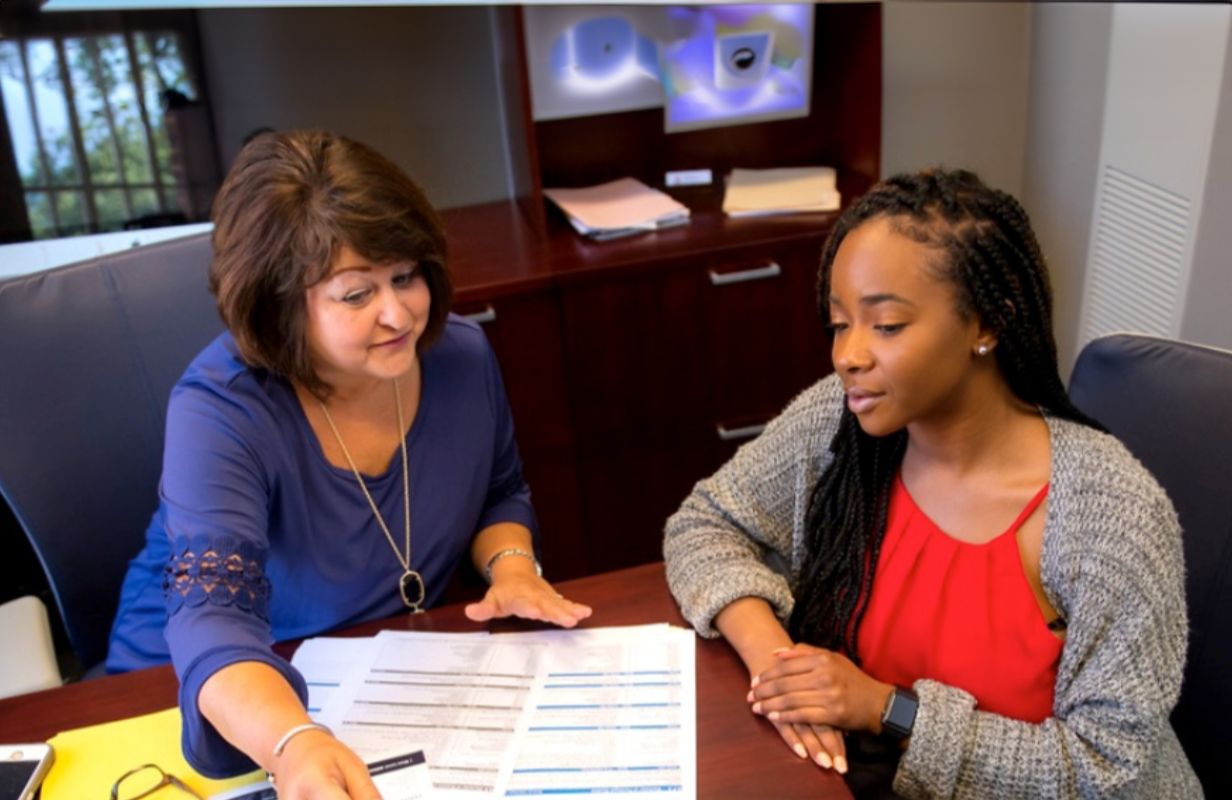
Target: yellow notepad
<point x="88" y="760"/>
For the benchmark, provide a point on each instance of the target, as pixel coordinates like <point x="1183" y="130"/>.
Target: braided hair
<point x="989" y="254"/>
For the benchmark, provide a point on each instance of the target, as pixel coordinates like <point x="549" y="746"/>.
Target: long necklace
<point x="410" y="585"/>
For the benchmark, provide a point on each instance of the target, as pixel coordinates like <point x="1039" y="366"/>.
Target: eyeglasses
<point x="146" y="780"/>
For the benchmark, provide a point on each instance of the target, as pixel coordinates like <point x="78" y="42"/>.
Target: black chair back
<point x="1171" y="404"/>
<point x="89" y="353"/>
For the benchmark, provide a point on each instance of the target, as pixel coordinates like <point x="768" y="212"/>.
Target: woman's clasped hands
<point x="812" y="696"/>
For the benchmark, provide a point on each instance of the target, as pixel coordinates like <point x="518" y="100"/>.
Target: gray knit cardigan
<point x="1111" y="566"/>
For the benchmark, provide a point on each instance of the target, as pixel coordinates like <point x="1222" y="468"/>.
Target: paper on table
<point x="403" y="777"/>
<point x="325" y="663"/>
<point x="457" y="696"/>
<point x="467" y="699"/>
<point x="88" y="760"/>
<point x="614" y="712"/>
<point x="780" y="191"/>
<point x="621" y="204"/>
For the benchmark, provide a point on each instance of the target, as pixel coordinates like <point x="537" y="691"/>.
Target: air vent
<point x="1139" y="251"/>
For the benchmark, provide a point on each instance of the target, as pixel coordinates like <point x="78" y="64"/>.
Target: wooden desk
<point x="738" y="755"/>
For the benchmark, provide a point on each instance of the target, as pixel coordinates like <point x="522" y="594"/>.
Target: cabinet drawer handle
<point x="747" y="432"/>
<point x="771" y="270"/>
<point x="483" y="317"/>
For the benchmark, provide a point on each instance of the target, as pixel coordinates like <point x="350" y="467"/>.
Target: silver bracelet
<point x="296" y="731"/>
<point x="512" y="551"/>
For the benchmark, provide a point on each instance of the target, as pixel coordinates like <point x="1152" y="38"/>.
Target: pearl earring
<point x="982" y="350"/>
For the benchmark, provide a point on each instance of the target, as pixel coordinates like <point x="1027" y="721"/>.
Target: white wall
<point x="955" y="92"/>
<point x="22" y="258"/>
<point x="1145" y="89"/>
<point x="1015" y="92"/>
<point x="417" y="84"/>
<point x="1207" y="318"/>
<point x="1166" y="68"/>
<point x="1069" y="72"/>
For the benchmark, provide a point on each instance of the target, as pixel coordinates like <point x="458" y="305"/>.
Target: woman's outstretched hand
<point x="528" y="596"/>
<point x="813" y="686"/>
<point x="316" y="766"/>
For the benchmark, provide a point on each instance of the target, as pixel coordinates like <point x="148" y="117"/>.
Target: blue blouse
<point x="258" y="538"/>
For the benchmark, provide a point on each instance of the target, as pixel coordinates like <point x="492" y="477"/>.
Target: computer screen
<point x="738" y="64"/>
<point x="707" y="66"/>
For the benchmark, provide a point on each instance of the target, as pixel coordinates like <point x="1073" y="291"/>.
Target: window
<point x="92" y="118"/>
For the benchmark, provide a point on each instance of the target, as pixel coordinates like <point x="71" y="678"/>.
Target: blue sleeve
<point x="216" y="495"/>
<point x="204" y="748"/>
<point x="508" y="498"/>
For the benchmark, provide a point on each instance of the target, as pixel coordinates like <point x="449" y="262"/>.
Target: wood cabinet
<point x="671" y="368"/>
<point x="636" y="367"/>
<point x="525" y="333"/>
<point x="695" y="342"/>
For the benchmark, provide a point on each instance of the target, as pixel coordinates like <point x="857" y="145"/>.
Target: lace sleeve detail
<point x="217" y="570"/>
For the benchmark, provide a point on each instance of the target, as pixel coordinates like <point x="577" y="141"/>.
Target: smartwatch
<point x="898" y="716"/>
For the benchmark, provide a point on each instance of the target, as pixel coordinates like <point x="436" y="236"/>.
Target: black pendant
<point x="411" y="586"/>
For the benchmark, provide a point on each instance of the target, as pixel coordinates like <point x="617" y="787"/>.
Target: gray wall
<point x="1207" y="318"/>
<point x="956" y="82"/>
<point x="1014" y="91"/>
<point x="418" y="84"/>
<point x="1106" y="90"/>
<point x="1069" y="72"/>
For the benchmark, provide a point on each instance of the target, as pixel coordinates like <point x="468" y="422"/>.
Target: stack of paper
<point x="752" y="192"/>
<point x="619" y="208"/>
<point x="609" y="711"/>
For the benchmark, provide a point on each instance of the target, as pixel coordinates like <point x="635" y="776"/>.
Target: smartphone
<point x="22" y="769"/>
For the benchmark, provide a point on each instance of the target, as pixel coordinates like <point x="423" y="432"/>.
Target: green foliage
<point x="113" y="135"/>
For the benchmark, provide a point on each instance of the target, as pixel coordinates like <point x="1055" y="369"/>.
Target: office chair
<point x="89" y="353"/>
<point x="1168" y="402"/>
<point x="26" y="632"/>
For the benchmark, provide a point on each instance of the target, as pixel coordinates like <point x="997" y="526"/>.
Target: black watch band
<point x="898" y="716"/>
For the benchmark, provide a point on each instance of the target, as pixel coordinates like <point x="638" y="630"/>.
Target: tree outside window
<point x="92" y="119"/>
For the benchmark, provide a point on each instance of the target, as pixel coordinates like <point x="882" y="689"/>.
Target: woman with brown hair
<point x="330" y="459"/>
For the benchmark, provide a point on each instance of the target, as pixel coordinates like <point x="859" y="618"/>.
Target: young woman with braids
<point x="933" y="547"/>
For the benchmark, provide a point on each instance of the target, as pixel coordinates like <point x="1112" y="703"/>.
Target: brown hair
<point x="289" y="202"/>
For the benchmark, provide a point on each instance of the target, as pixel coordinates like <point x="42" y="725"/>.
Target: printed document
<point x="615" y="713"/>
<point x="459" y="697"/>
<point x="403" y="777"/>
<point x="605" y="710"/>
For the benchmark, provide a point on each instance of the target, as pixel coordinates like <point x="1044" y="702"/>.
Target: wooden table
<point x="738" y="754"/>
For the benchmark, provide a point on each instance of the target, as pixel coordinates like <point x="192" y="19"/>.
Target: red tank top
<point x="958" y="613"/>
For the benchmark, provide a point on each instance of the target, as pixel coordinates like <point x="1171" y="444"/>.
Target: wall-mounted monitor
<point x="707" y="66"/>
<point x="586" y="60"/>
<point x="737" y="64"/>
